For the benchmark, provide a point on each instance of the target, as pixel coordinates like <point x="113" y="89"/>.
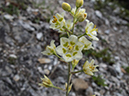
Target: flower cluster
<point x="71" y="47"/>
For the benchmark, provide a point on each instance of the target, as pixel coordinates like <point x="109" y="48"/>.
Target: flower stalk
<point x="70" y="49"/>
<point x="76" y="72"/>
<point x="68" y="79"/>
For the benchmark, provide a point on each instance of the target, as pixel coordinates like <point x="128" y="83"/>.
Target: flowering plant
<point x="70" y="48"/>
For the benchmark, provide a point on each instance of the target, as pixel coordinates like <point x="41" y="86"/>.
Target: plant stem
<point x="58" y="56"/>
<point x="68" y="79"/>
<point x="59" y="88"/>
<point x="67" y="29"/>
<point x="82" y="35"/>
<point x="76" y="71"/>
<point x="74" y="18"/>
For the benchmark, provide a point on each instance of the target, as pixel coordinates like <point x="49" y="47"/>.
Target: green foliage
<point x="103" y="54"/>
<point x="99" y="80"/>
<point x="11" y="9"/>
<point x="12" y="60"/>
<point x="127" y="69"/>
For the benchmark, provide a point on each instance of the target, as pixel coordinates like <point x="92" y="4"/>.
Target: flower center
<point x="70" y="48"/>
<point x="91" y="67"/>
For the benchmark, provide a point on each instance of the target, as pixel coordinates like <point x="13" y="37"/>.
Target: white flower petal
<point x="79" y="46"/>
<point x="64" y="41"/>
<point x="68" y="57"/>
<point x="91" y="31"/>
<point x="81" y="11"/>
<point x="73" y="39"/>
<point x="94" y="37"/>
<point x="52" y="44"/>
<point x="87" y="43"/>
<point x="73" y="11"/>
<point x="69" y="24"/>
<point x="92" y="61"/>
<point x="59" y="50"/>
<point x="77" y="55"/>
<point x="89" y="72"/>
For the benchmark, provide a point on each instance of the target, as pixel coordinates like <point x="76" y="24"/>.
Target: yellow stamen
<point x="55" y="19"/>
<point x="96" y="28"/>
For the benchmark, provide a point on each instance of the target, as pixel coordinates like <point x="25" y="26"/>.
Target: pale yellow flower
<point x="50" y="50"/>
<point x="68" y="88"/>
<point x="81" y="17"/>
<point x="70" y="48"/>
<point x="73" y="11"/>
<point x="89" y="67"/>
<point x="58" y="22"/>
<point x="74" y="63"/>
<point x="79" y="11"/>
<point x="87" y="43"/>
<point x="91" y="30"/>
<point x="69" y="24"/>
<point x="46" y="82"/>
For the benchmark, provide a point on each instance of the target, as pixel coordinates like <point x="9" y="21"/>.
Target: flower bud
<point x="81" y="17"/>
<point x="68" y="88"/>
<point x="79" y="3"/>
<point x="74" y="63"/>
<point x="46" y="82"/>
<point x="66" y="6"/>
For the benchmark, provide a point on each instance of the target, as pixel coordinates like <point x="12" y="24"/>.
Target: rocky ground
<point x="25" y="32"/>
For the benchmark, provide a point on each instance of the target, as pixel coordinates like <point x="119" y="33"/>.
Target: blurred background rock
<point x="25" y="32"/>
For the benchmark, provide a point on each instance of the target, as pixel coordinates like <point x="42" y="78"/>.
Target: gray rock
<point x="89" y="91"/>
<point x="61" y="79"/>
<point x="117" y="10"/>
<point x="98" y="13"/>
<point x="115" y="28"/>
<point x="46" y="71"/>
<point x="16" y="78"/>
<point x="107" y="22"/>
<point x="39" y="36"/>
<point x="8" y="69"/>
<point x="107" y="31"/>
<point x="97" y="93"/>
<point x="112" y="71"/>
<point x="13" y="56"/>
<point x="117" y="58"/>
<point x="115" y="79"/>
<point x="26" y="25"/>
<point x="35" y="50"/>
<point x="8" y="17"/>
<point x="79" y="85"/>
<point x="40" y="70"/>
<point x="2" y="34"/>
<point x="50" y="67"/>
<point x="72" y="94"/>
<point x="102" y="92"/>
<point x="117" y="94"/>
<point x="9" y="40"/>
<point x="117" y="66"/>
<point x="20" y="35"/>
